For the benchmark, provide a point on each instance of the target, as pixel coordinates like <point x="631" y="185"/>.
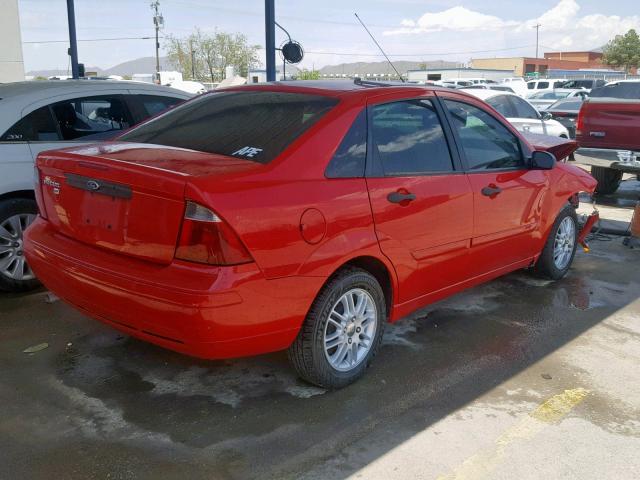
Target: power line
<point x="92" y="40"/>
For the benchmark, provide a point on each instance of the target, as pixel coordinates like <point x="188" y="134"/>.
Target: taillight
<point x="37" y="188"/>
<point x="580" y="121"/>
<point x="206" y="238"/>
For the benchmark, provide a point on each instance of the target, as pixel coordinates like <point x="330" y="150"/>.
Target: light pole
<point x="270" y="38"/>
<point x="158" y="22"/>
<point x="73" y="44"/>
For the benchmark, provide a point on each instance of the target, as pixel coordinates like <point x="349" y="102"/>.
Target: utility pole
<point x="270" y="38"/>
<point x="73" y="43"/>
<point x="158" y="22"/>
<point x="537" y="27"/>
<point x="193" y="61"/>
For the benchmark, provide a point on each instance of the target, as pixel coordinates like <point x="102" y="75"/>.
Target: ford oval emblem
<point x="93" y="185"/>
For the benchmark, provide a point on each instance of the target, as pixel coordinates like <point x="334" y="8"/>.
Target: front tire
<point x="558" y="252"/>
<point x="342" y="331"/>
<point x="608" y="179"/>
<point x="16" y="214"/>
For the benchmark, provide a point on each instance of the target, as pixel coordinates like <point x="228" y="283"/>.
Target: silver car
<point x="46" y="115"/>
<point x="520" y="113"/>
<point x="543" y="100"/>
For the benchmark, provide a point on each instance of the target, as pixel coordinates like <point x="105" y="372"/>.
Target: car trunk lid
<point x="127" y="198"/>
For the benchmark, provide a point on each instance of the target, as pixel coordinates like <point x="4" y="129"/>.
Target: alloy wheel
<point x="13" y="264"/>
<point x="350" y="330"/>
<point x="564" y="243"/>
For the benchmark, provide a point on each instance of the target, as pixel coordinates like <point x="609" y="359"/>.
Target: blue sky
<point x="408" y="29"/>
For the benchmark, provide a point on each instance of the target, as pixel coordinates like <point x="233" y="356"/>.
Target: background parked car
<point x="188" y="86"/>
<point x="543" y="100"/>
<point x="566" y="112"/>
<point x="544" y="85"/>
<point x="487" y="86"/>
<point x="37" y="116"/>
<point x="520" y="113"/>
<point x="517" y="84"/>
<point x="585" y="83"/>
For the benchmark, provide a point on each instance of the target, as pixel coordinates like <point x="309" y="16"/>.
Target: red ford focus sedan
<point x="299" y="216"/>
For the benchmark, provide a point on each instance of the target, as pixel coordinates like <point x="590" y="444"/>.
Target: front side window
<point x="38" y="126"/>
<point x="408" y="139"/>
<point x="349" y="159"/>
<point x="523" y="109"/>
<point x="486" y="142"/>
<point x="80" y="117"/>
<point x="252" y="125"/>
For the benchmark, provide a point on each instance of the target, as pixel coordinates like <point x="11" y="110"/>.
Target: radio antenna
<point x="378" y="45"/>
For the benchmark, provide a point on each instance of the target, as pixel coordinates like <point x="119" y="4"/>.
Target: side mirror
<point x="546" y="116"/>
<point x="541" y="160"/>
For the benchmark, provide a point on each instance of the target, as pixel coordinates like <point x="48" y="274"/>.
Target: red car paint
<point x="609" y="123"/>
<point x="113" y="257"/>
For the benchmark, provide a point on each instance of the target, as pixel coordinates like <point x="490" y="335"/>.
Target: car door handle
<point x="400" y="197"/>
<point x="491" y="191"/>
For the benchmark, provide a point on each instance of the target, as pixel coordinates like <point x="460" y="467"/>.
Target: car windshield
<point x="566" y="105"/>
<point x="253" y="125"/>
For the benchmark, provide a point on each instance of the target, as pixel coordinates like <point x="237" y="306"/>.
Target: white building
<point x="434" y="75"/>
<point x="11" y="62"/>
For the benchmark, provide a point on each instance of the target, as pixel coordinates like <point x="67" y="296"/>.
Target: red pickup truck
<point x="608" y="133"/>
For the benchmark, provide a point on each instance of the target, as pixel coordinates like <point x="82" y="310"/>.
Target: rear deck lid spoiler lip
<point x="560" y="147"/>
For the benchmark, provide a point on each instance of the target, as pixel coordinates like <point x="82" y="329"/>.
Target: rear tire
<point x="608" y="179"/>
<point x="560" y="248"/>
<point x="340" y="337"/>
<point x="15" y="215"/>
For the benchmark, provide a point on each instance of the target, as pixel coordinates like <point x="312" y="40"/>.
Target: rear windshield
<point x="566" y="105"/>
<point x="626" y="90"/>
<point x="252" y="125"/>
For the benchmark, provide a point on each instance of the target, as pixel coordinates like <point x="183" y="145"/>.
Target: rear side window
<point x="349" y="159"/>
<point x="543" y="85"/>
<point x="523" y="109"/>
<point x="486" y="142"/>
<point x="408" y="139"/>
<point x="153" y="104"/>
<point x="38" y="126"/>
<point x="501" y="104"/>
<point x="254" y="125"/>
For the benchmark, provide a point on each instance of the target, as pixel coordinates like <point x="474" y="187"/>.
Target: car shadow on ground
<point x="99" y="394"/>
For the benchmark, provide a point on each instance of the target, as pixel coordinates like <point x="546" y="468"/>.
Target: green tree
<point x="623" y="51"/>
<point x="305" y="74"/>
<point x="205" y="57"/>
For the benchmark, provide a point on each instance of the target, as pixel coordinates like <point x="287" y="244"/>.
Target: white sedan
<point x="46" y="115"/>
<point x="520" y="113"/>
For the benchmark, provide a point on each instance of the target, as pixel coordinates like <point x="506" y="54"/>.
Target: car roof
<point x="485" y="93"/>
<point x="338" y="88"/>
<point x="30" y="91"/>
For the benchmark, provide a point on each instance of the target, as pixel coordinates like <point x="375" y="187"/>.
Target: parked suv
<point x="300" y="216"/>
<point x="42" y="115"/>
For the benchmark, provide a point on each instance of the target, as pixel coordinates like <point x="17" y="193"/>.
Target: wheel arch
<point x="376" y="267"/>
<point x="28" y="194"/>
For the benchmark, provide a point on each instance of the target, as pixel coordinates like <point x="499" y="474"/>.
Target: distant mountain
<point x="363" y="68"/>
<point x="148" y="65"/>
<point x="139" y="65"/>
